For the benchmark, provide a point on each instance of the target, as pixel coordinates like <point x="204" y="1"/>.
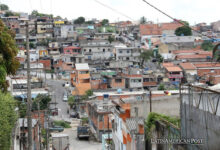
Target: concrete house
<point x="71" y="50"/>
<point x="173" y="72"/>
<point x="129" y="54"/>
<point x="97" y="50"/>
<point x="125" y="128"/>
<point x="133" y="81"/>
<point x="65" y="30"/>
<point x="99" y="121"/>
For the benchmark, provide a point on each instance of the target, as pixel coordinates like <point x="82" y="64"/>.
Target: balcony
<point x="175" y="76"/>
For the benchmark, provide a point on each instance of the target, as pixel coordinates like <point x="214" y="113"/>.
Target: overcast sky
<point x="194" y="11"/>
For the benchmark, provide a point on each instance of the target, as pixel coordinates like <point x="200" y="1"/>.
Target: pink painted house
<point x="72" y="50"/>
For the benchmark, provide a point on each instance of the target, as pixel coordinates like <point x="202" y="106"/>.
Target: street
<point x="57" y="96"/>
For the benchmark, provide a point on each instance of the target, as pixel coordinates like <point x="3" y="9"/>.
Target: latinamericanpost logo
<point x="177" y="141"/>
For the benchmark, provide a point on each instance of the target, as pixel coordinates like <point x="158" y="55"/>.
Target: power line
<point x="176" y="20"/>
<point x="116" y="11"/>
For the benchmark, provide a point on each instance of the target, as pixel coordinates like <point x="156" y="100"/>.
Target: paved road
<point x="57" y="96"/>
<point x="75" y="144"/>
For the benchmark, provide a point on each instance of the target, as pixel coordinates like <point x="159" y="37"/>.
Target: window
<point x="67" y="51"/>
<point x="127" y="58"/>
<point x="90" y="50"/>
<point x="109" y="49"/>
<point x="84" y="72"/>
<point x="146" y="79"/>
<point x="101" y="118"/>
<point x="118" y="80"/>
<point x="120" y="51"/>
<point x="84" y="50"/>
<point x="128" y="51"/>
<point x="103" y="50"/>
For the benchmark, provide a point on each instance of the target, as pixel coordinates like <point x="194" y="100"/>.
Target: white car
<point x="65" y="98"/>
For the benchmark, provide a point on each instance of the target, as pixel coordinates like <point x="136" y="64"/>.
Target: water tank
<point x="119" y="91"/>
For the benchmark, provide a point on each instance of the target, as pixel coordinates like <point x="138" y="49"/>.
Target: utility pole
<point x="29" y="119"/>
<point x="38" y="107"/>
<point x="150" y="100"/>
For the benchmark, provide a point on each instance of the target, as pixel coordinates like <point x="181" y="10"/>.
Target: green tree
<point x="8" y="52"/>
<point x="8" y="118"/>
<point x="43" y="101"/>
<point x="79" y="20"/>
<point x="105" y="22"/>
<point x="184" y="30"/>
<point x="87" y="94"/>
<point x="71" y="101"/>
<point x="207" y="46"/>
<point x="143" y="20"/>
<point x="145" y="56"/>
<point x="110" y="39"/>
<point x="9" y="13"/>
<point x="31" y="45"/>
<point x="22" y="109"/>
<point x="4" y="7"/>
<point x="90" y="22"/>
<point x="161" y="87"/>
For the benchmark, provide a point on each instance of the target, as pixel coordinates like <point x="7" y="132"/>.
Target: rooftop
<point x="187" y="66"/>
<point x="82" y="66"/>
<point x="174" y="69"/>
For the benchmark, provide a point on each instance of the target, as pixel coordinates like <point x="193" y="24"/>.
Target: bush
<point x="161" y="87"/>
<point x="62" y="123"/>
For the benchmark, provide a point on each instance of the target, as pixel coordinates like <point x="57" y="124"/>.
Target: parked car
<point x="65" y="98"/>
<point x="83" y="132"/>
<point x="74" y="115"/>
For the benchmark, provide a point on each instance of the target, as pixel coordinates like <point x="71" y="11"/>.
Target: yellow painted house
<point x="43" y="53"/>
<point x="80" y="79"/>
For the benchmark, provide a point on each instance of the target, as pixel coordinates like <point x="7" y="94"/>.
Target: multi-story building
<point x="80" y="79"/>
<point x="99" y="121"/>
<point x="129" y="54"/>
<point x="97" y="50"/>
<point x="127" y="131"/>
<point x="173" y="72"/>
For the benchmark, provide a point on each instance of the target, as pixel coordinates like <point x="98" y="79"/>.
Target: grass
<point x="62" y="123"/>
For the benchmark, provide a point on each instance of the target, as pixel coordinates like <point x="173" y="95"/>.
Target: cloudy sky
<point x="194" y="11"/>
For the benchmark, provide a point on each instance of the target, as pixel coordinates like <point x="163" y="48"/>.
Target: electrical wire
<point x="114" y="10"/>
<point x="176" y="20"/>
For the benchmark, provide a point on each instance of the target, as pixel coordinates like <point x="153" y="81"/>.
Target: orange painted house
<point x="80" y="79"/>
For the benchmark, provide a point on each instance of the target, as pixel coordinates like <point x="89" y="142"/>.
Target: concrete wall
<point x="167" y="105"/>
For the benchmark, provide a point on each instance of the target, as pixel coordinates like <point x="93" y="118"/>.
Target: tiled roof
<point x="71" y="47"/>
<point x="187" y="66"/>
<point x="156" y="29"/>
<point x="196" y="56"/>
<point x="150" y="29"/>
<point x="206" y="65"/>
<point x="168" y="64"/>
<point x="132" y="75"/>
<point x="187" y="51"/>
<point x="173" y="69"/>
<point x="171" y="26"/>
<point x="132" y="123"/>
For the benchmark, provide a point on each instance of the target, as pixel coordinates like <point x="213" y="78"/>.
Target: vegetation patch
<point x="153" y="117"/>
<point x="62" y="124"/>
